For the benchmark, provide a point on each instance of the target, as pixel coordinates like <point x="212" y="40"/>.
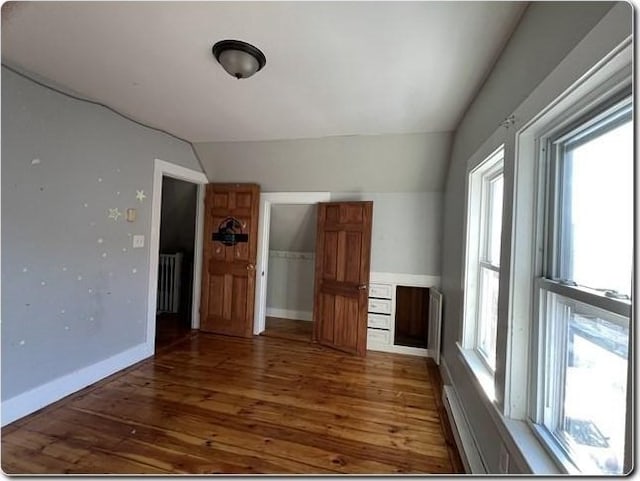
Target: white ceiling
<point x="333" y="68"/>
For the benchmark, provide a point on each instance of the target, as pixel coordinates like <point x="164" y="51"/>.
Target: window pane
<point x="488" y="318"/>
<point x="590" y="384"/>
<point x="596" y="230"/>
<point x="495" y="220"/>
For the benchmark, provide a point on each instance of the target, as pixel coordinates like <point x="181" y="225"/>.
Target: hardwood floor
<point x="288" y="329"/>
<point x="171" y="328"/>
<point x="215" y="404"/>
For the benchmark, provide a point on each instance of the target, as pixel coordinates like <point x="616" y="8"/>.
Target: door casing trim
<point x="267" y="199"/>
<point x="161" y="169"/>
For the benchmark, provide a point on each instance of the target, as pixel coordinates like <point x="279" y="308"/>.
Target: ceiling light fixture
<point x="239" y="59"/>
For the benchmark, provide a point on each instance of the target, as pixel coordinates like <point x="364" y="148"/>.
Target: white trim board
<point x="45" y="394"/>
<point x="411" y="351"/>
<point x="262" y="261"/>
<point x="409" y="280"/>
<point x="290" y="314"/>
<point x="162" y="168"/>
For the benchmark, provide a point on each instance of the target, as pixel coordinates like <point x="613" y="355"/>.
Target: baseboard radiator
<point x="169" y="278"/>
<point x="469" y="453"/>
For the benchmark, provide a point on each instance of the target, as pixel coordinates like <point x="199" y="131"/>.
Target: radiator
<point x="435" y="325"/>
<point x="169" y="275"/>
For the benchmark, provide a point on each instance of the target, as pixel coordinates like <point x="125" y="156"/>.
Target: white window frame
<point x="527" y="264"/>
<point x="479" y="179"/>
<point x="545" y="384"/>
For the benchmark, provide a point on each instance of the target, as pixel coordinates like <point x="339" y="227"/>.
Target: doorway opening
<point x="174" y="304"/>
<point x="269" y="200"/>
<point x="290" y="272"/>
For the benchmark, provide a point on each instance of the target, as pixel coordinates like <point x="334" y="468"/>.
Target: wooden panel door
<point x="343" y="249"/>
<point x="229" y="259"/>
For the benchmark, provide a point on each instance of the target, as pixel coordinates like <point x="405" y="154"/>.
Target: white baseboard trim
<point x="412" y="351"/>
<point x="469" y="453"/>
<point x="289" y="314"/>
<point x="41" y="396"/>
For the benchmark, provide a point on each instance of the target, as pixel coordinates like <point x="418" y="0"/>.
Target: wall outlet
<point x="138" y="241"/>
<point x="504" y="460"/>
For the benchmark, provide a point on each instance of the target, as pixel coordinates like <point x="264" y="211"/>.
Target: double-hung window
<point x="584" y="294"/>
<point x="484" y="231"/>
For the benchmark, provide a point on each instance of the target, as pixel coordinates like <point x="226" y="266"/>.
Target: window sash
<point x="551" y="393"/>
<point x="550" y="384"/>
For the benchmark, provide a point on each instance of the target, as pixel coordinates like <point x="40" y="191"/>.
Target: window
<point x="483" y="257"/>
<point x="584" y="293"/>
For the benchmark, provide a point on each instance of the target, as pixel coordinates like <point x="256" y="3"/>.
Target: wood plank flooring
<point x="291" y="329"/>
<point x="215" y="404"/>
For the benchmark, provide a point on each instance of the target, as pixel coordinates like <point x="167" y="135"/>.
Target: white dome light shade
<point x="239" y="59"/>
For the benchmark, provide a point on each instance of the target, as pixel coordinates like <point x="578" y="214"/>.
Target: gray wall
<point x="547" y="32"/>
<point x="406" y="233"/>
<point x="74" y="291"/>
<point x="402" y="174"/>
<point x="290" y="284"/>
<point x="178" y="217"/>
<point x="376" y="163"/>
<point x="293" y="228"/>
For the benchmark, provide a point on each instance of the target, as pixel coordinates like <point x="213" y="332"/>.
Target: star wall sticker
<point x="114" y="214"/>
<point x="140" y="195"/>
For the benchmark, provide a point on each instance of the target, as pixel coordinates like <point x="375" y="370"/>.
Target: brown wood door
<point x="229" y="259"/>
<point x="343" y="249"/>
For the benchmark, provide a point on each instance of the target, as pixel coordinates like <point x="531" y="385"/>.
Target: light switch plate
<point x="138" y="241"/>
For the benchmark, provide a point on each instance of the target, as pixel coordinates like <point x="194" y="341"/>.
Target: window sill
<point x="525" y="449"/>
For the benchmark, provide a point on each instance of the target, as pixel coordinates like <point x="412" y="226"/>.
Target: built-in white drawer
<point x="380" y="290"/>
<point x="380" y="321"/>
<point x="380" y="306"/>
<point x="378" y="336"/>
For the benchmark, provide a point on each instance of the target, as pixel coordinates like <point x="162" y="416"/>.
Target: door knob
<point x="362" y="287"/>
<point x="250" y="267"/>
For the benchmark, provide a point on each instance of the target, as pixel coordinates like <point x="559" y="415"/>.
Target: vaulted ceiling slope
<point x="333" y="68"/>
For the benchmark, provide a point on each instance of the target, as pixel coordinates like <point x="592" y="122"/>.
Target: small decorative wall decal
<point x="91" y="318"/>
<point x="66" y="328"/>
<point x="100" y="240"/>
<point x="99" y="179"/>
<point x="90" y="290"/>
<point x="124" y="249"/>
<point x="118" y="193"/>
<point x="104" y="255"/>
<point x="85" y="205"/>
<point x="134" y="270"/>
<point x="22" y="342"/>
<point x="79" y="278"/>
<point x="43" y="283"/>
<point x="24" y="269"/>
<point x="131" y="215"/>
<point x="114" y="214"/>
<point x="62" y="311"/>
<point x="140" y="195"/>
<point x="35" y="161"/>
<point x="64" y="268"/>
<point x="118" y="170"/>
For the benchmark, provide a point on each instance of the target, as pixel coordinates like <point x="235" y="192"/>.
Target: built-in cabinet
<point x="381" y="323"/>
